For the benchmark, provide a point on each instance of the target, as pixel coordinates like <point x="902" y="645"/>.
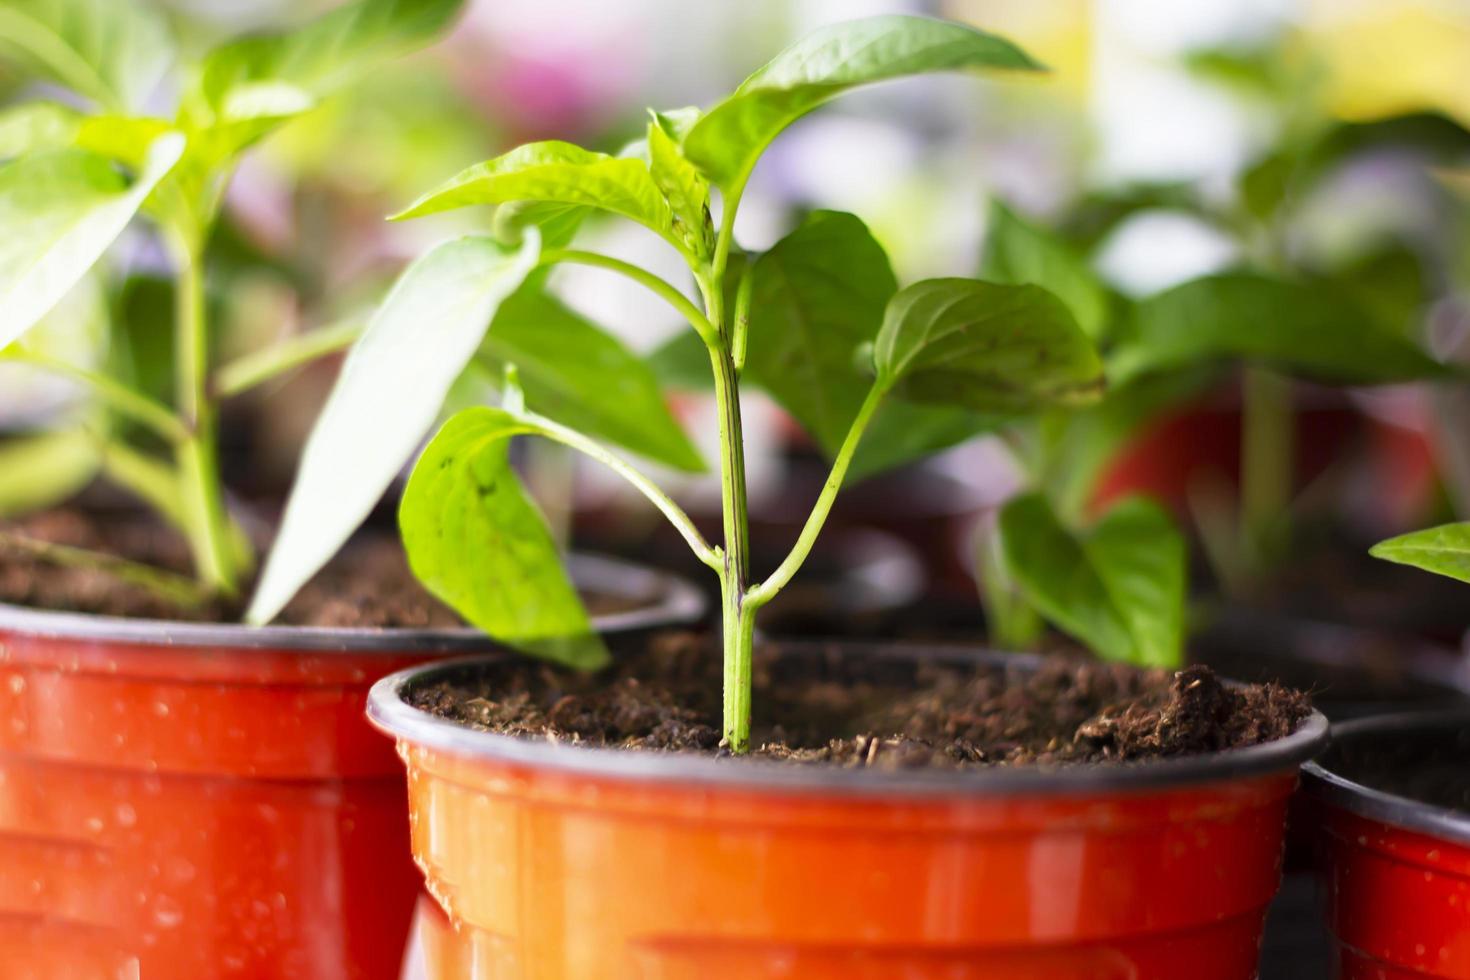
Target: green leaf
<point x="1318" y="332"/>
<point x="60" y="212"/>
<point x="555" y="173"/>
<point x="683" y="186"/>
<point x="819" y="295"/>
<point x="478" y="543"/>
<point x="1018" y="253"/>
<point x="1119" y="587"/>
<point x="39" y="471"/>
<point x="389" y="392"/>
<point x="726" y="143"/>
<point x="255" y="76"/>
<point x="114" y="52"/>
<point x="983" y="346"/>
<point x="36" y="127"/>
<point x="577" y="374"/>
<point x="1444" y="550"/>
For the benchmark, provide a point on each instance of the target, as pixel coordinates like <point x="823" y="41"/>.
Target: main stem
<point x="198" y="453"/>
<point x="738" y="618"/>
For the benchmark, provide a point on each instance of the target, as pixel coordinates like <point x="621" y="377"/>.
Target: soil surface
<point x="1429" y="767"/>
<point x="367" y="585"/>
<point x="885" y="713"/>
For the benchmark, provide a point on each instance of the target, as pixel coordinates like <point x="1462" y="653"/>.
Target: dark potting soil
<point x="368" y="585"/>
<point x="1431" y="767"/>
<point x="886" y="714"/>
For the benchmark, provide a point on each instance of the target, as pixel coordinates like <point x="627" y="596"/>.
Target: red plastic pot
<point x="185" y="801"/>
<point x="557" y="862"/>
<point x="1397" y="871"/>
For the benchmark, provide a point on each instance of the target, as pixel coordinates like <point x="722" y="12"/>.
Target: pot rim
<point x="679" y="603"/>
<point x="390" y="714"/>
<point x="1384" y="807"/>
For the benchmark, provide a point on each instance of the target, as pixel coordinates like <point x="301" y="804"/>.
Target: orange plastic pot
<point x="556" y="862"/>
<point x="1396" y="871"/>
<point x="188" y="801"/>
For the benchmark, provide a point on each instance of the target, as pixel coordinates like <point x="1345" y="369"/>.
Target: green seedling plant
<point x="1117" y="580"/>
<point x="818" y="321"/>
<point x="78" y="168"/>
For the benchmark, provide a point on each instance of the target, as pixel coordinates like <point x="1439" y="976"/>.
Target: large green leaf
<point x="984" y="346"/>
<point x="1316" y="331"/>
<point x="1019" y="252"/>
<point x="387" y="397"/>
<point x="60" y="212"/>
<point x="113" y="52"/>
<point x="1444" y="550"/>
<point x="577" y="374"/>
<point x="726" y="143"/>
<point x="554" y="172"/>
<point x="477" y="541"/>
<point x="1119" y="587"/>
<point x="38" y="471"/>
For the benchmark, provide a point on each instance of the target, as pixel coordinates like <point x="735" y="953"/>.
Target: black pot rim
<point x="392" y="715"/>
<point x="1376" y="804"/>
<point x="679" y="603"/>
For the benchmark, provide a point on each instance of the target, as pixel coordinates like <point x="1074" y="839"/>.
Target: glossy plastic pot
<point x="557" y="862"/>
<point x="184" y="801"/>
<point x="1396" y="871"/>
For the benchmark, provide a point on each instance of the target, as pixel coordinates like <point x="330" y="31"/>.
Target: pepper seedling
<point x="839" y="360"/>
<point x="75" y="178"/>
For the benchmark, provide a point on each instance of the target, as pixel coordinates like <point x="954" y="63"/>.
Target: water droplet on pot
<point x="17" y="684"/>
<point x="166" y="912"/>
<point x="126" y="815"/>
<point x="160" y="708"/>
<point x="1418" y="949"/>
<point x="94" y="824"/>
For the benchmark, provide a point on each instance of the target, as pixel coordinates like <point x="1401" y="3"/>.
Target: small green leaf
<point x="577" y="374"/>
<point x="683" y="186"/>
<point x="1018" y="253"/>
<point x="40" y="471"/>
<point x="476" y="541"/>
<point x="983" y="346"/>
<point x="1444" y="550"/>
<point x="1318" y="332"/>
<point x="726" y="143"/>
<point x="1119" y="587"/>
<point x="114" y="52"/>
<point x="60" y="212"/>
<point x="389" y="392"/>
<point x="559" y="173"/>
<point x="263" y="75"/>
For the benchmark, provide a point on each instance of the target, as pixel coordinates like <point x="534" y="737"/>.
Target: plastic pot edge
<point x="392" y="715"/>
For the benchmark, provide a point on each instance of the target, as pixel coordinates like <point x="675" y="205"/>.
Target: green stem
<point x="258" y="367"/>
<point x="1265" y="463"/>
<point x="198" y="455"/>
<point x="766" y="591"/>
<point x="134" y="405"/>
<point x="660" y="287"/>
<point x="589" y="447"/>
<point x="738" y="617"/>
